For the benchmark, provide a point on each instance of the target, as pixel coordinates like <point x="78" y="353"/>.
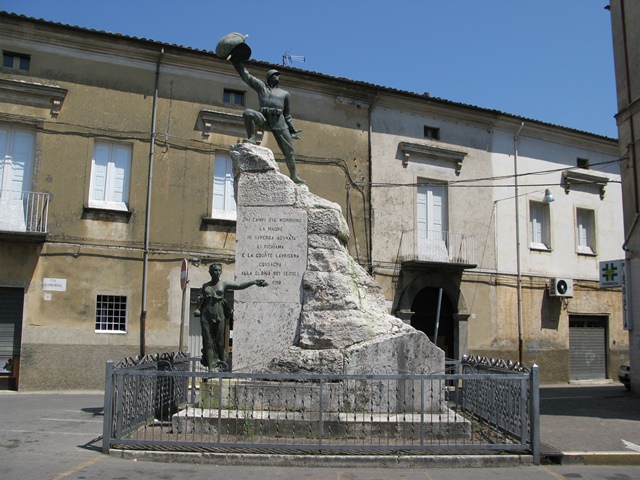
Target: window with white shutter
<point x="110" y="176"/>
<point x="431" y="221"/>
<point x="585" y="231"/>
<point x="17" y="151"/>
<point x="539" y="226"/>
<point x="224" y="203"/>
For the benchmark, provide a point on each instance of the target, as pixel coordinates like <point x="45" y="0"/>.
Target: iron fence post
<point x="525" y="430"/>
<point x="119" y="406"/>
<point x="422" y="408"/>
<point x="220" y="405"/>
<point x="320" y="415"/>
<point x="534" y="414"/>
<point x="107" y="410"/>
<point x="192" y="366"/>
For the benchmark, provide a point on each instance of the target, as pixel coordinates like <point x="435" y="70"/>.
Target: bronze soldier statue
<point x="274" y="114"/>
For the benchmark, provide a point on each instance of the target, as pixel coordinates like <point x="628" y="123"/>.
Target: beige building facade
<point x="116" y="170"/>
<point x="92" y="273"/>
<point x="463" y="226"/>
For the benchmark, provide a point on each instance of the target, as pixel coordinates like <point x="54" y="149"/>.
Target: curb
<point x="339" y="461"/>
<point x="600" y="458"/>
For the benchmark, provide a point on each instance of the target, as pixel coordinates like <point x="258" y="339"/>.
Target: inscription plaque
<point x="272" y="245"/>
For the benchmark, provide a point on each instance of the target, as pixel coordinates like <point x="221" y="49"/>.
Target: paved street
<point x="57" y="436"/>
<point x="43" y="435"/>
<point x="590" y="418"/>
<point x="595" y="418"/>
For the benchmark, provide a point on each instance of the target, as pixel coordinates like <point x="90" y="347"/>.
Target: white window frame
<point x="539" y="226"/>
<point x="110" y="176"/>
<point x="586" y="231"/>
<point x="223" y="203"/>
<point x="431" y="222"/>
<point x="16" y="161"/>
<point x="103" y="320"/>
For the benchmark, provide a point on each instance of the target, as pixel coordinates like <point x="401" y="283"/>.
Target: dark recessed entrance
<point x="11" y="302"/>
<point x="425" y="307"/>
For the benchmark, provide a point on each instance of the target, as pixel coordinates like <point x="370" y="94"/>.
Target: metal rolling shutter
<point x="587" y="348"/>
<point x="11" y="301"/>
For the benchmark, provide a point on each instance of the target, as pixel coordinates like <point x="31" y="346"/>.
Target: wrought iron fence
<point x="134" y="400"/>
<point x="171" y="405"/>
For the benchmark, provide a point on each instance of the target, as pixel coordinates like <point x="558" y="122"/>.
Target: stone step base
<point x="337" y="425"/>
<point x="374" y="396"/>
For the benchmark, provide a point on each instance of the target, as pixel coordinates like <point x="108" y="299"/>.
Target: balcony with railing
<point x="24" y="214"/>
<point x="430" y="246"/>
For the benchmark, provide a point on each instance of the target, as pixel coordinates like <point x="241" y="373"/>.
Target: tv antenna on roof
<point x="287" y="58"/>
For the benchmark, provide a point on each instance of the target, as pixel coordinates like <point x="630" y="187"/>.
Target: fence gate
<point x="587" y="348"/>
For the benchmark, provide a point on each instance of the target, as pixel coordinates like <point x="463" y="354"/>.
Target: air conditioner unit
<point x="560" y="287"/>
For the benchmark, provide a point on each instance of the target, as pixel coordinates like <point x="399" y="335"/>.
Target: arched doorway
<point x="425" y="308"/>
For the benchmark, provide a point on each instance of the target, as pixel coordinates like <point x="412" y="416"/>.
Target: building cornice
<point x="430" y="151"/>
<point x="571" y="178"/>
<point x="32" y="94"/>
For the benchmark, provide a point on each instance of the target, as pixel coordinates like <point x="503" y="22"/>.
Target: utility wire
<point x="457" y="183"/>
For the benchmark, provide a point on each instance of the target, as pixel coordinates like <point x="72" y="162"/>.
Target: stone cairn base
<point x="322" y="313"/>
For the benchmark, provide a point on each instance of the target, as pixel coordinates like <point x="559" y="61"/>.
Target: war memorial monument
<point x="321" y="312"/>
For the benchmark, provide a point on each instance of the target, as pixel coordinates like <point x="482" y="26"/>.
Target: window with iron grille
<point x="111" y="313"/>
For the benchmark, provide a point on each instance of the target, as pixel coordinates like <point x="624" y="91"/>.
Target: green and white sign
<point x="611" y="273"/>
<point x="614" y="274"/>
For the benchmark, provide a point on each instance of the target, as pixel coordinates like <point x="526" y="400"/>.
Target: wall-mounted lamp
<point x="548" y="197"/>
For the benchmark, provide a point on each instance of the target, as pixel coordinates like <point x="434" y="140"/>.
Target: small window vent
<point x="431" y="132"/>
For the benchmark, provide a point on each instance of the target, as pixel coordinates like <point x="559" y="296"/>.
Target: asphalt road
<point x="590" y="418"/>
<point x="58" y="436"/>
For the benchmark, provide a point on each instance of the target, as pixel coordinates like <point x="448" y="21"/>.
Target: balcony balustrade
<point x="438" y="247"/>
<point x="24" y="211"/>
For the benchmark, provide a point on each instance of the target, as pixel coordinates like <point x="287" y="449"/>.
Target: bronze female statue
<point x="215" y="314"/>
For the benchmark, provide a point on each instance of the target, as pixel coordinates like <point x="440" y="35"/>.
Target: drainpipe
<point x="518" y="265"/>
<point x="145" y="257"/>
<point x="369" y="227"/>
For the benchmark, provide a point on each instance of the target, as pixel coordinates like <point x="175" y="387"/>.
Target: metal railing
<point x="438" y="246"/>
<point x="147" y="407"/>
<point x="24" y="211"/>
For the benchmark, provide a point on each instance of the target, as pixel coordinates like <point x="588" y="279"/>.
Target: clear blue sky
<point x="549" y="60"/>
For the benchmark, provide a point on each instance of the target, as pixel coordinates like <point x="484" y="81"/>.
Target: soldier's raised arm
<point x="249" y="79"/>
